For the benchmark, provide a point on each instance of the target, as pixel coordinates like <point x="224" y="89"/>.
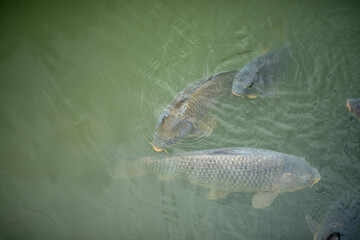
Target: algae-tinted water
<point x="79" y="79"/>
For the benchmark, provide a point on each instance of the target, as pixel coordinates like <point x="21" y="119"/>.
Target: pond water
<point x="80" y="79"/>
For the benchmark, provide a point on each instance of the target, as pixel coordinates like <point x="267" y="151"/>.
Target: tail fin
<point x="122" y="165"/>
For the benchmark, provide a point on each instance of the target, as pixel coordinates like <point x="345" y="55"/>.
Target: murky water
<point x="77" y="80"/>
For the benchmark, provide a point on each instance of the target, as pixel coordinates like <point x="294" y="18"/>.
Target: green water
<point x="79" y="79"/>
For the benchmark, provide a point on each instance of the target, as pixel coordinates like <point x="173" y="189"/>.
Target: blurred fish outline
<point x="341" y="221"/>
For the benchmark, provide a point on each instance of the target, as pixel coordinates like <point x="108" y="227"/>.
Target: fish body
<point x="183" y="116"/>
<point x="236" y="170"/>
<point x="342" y="220"/>
<point x="354" y="107"/>
<point x="255" y="78"/>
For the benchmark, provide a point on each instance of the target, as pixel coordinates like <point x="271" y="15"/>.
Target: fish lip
<point x="157" y="149"/>
<point x="348" y="105"/>
<point x="244" y="96"/>
<point x="237" y="94"/>
<point x="252" y="96"/>
<point x="317" y="179"/>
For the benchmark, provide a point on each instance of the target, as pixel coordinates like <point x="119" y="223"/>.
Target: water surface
<point x="79" y="79"/>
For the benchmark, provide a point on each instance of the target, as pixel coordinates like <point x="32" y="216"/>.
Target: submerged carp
<point x="258" y="75"/>
<point x="342" y="221"/>
<point x="227" y="170"/>
<point x="184" y="115"/>
<point x="354" y="107"/>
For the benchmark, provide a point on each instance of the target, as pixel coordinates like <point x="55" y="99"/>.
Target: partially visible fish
<point x="255" y="78"/>
<point x="354" y="107"/>
<point x="227" y="170"/>
<point x="184" y="115"/>
<point x="342" y="220"/>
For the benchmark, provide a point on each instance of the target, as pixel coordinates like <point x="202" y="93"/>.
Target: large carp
<point x="341" y="221"/>
<point x="227" y="170"/>
<point x="184" y="115"/>
<point x="354" y="107"/>
<point x="255" y="78"/>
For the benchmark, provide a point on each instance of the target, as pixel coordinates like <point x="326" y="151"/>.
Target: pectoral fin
<point x="216" y="194"/>
<point x="263" y="199"/>
<point x="205" y="127"/>
<point x="312" y="224"/>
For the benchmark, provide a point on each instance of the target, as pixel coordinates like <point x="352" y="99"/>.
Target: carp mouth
<point x="252" y="96"/>
<point x="237" y="94"/>
<point x="348" y="105"/>
<point x="245" y="96"/>
<point x="316" y="180"/>
<point x="157" y="149"/>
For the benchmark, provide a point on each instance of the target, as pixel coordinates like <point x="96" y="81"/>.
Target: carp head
<point x="243" y="84"/>
<point x="246" y="84"/>
<point x="298" y="174"/>
<point x="169" y="130"/>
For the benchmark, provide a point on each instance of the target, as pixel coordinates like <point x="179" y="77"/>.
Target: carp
<point x="256" y="77"/>
<point x="184" y="116"/>
<point x="341" y="221"/>
<point x="226" y="170"/>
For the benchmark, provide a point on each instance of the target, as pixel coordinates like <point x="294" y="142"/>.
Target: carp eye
<point x="306" y="179"/>
<point x="251" y="85"/>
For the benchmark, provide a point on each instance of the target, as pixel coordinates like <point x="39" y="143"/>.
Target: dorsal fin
<point x="225" y="151"/>
<point x="192" y="87"/>
<point x="181" y="102"/>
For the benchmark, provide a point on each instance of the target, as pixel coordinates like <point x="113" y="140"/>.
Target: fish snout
<point x="236" y="94"/>
<point x="348" y="105"/>
<point x="316" y="178"/>
<point x="157" y="149"/>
